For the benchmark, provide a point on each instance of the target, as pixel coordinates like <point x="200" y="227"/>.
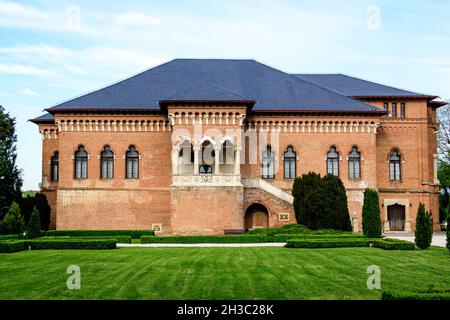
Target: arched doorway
<point x="396" y="217"/>
<point x="256" y="216"/>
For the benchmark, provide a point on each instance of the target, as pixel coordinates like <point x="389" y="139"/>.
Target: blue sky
<point x="51" y="51"/>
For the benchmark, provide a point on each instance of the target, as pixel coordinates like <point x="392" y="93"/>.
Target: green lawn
<point x="219" y="273"/>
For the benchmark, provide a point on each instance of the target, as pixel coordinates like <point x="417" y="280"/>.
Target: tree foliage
<point x="371" y="220"/>
<point x="13" y="222"/>
<point x="34" y="225"/>
<point x="424" y="228"/>
<point x="321" y="202"/>
<point x="10" y="180"/>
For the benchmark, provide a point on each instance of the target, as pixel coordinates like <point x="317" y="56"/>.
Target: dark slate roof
<point x="355" y="87"/>
<point x="45" y="118"/>
<point x="271" y="89"/>
<point x="206" y="92"/>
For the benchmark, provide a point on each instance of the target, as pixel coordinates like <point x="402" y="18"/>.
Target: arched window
<point x="81" y="163"/>
<point x="106" y="163"/>
<point x="394" y="166"/>
<point x="268" y="163"/>
<point x="132" y="163"/>
<point x="289" y="163"/>
<point x="333" y="162"/>
<point x="186" y="152"/>
<point x="354" y="164"/>
<point x="54" y="167"/>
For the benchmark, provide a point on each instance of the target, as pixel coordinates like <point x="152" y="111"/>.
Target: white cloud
<point x="22" y="69"/>
<point x="136" y="19"/>
<point x="29" y="92"/>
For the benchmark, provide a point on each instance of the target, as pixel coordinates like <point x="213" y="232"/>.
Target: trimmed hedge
<point x="412" y="295"/>
<point x="393" y="244"/>
<point x="135" y="234"/>
<point x="205" y="239"/>
<point x="327" y="243"/>
<point x="386" y="244"/>
<point x="9" y="237"/>
<point x="72" y="244"/>
<point x="286" y="237"/>
<point x="12" y="246"/>
<point x="118" y="239"/>
<point x="297" y="229"/>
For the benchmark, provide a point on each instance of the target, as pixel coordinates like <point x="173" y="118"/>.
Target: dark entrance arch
<point x="256" y="216"/>
<point x="396" y="217"/>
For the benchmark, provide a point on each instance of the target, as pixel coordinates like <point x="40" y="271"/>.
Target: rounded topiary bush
<point x="424" y="228"/>
<point x="371" y="220"/>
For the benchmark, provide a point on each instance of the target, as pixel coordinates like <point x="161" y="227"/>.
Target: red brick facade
<point x="177" y="202"/>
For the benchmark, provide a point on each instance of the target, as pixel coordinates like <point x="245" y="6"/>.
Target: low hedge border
<point x="205" y="239"/>
<point x="9" y="237"/>
<point x="412" y="295"/>
<point x="135" y="234"/>
<point x="71" y="244"/>
<point x="386" y="244"/>
<point x="12" y="246"/>
<point x="286" y="237"/>
<point x="118" y="239"/>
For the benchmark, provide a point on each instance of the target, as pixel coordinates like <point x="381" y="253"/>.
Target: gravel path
<point x="439" y="239"/>
<point x="197" y="245"/>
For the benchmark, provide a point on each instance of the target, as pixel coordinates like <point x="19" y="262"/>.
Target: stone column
<point x="435" y="169"/>
<point x="196" y="159"/>
<point x="237" y="162"/>
<point x="175" y="153"/>
<point x="217" y="160"/>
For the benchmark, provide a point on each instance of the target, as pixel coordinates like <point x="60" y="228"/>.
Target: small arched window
<point x="132" y="163"/>
<point x="268" y="163"/>
<point x="54" y="167"/>
<point x="354" y="164"/>
<point x="107" y="163"/>
<point x="290" y="163"/>
<point x="395" y="166"/>
<point x="333" y="162"/>
<point x="81" y="163"/>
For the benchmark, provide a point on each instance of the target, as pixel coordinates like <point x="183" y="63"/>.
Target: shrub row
<point x="57" y="244"/>
<point x="296" y="229"/>
<point x="393" y="244"/>
<point x="386" y="244"/>
<point x="90" y="244"/>
<point x="9" y="237"/>
<point x="205" y="239"/>
<point x="411" y="295"/>
<point x="286" y="237"/>
<point x="118" y="239"/>
<point x="12" y="246"/>
<point x="135" y="234"/>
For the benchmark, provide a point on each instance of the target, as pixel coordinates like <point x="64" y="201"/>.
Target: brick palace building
<point x="199" y="146"/>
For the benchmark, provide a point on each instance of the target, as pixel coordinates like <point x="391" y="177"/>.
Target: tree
<point x="444" y="198"/>
<point x="424" y="228"/>
<point x="371" y="220"/>
<point x="13" y="222"/>
<point x="303" y="192"/>
<point x="44" y="209"/>
<point x="443" y="116"/>
<point x="26" y="207"/>
<point x="321" y="202"/>
<point x="10" y="180"/>
<point x="34" y="225"/>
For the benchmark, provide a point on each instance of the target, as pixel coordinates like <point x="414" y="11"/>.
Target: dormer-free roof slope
<point x="355" y="87"/>
<point x="269" y="88"/>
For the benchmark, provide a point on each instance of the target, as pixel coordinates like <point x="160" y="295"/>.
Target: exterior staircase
<point x="269" y="188"/>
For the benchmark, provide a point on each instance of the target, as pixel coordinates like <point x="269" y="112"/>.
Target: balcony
<point x="203" y="180"/>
